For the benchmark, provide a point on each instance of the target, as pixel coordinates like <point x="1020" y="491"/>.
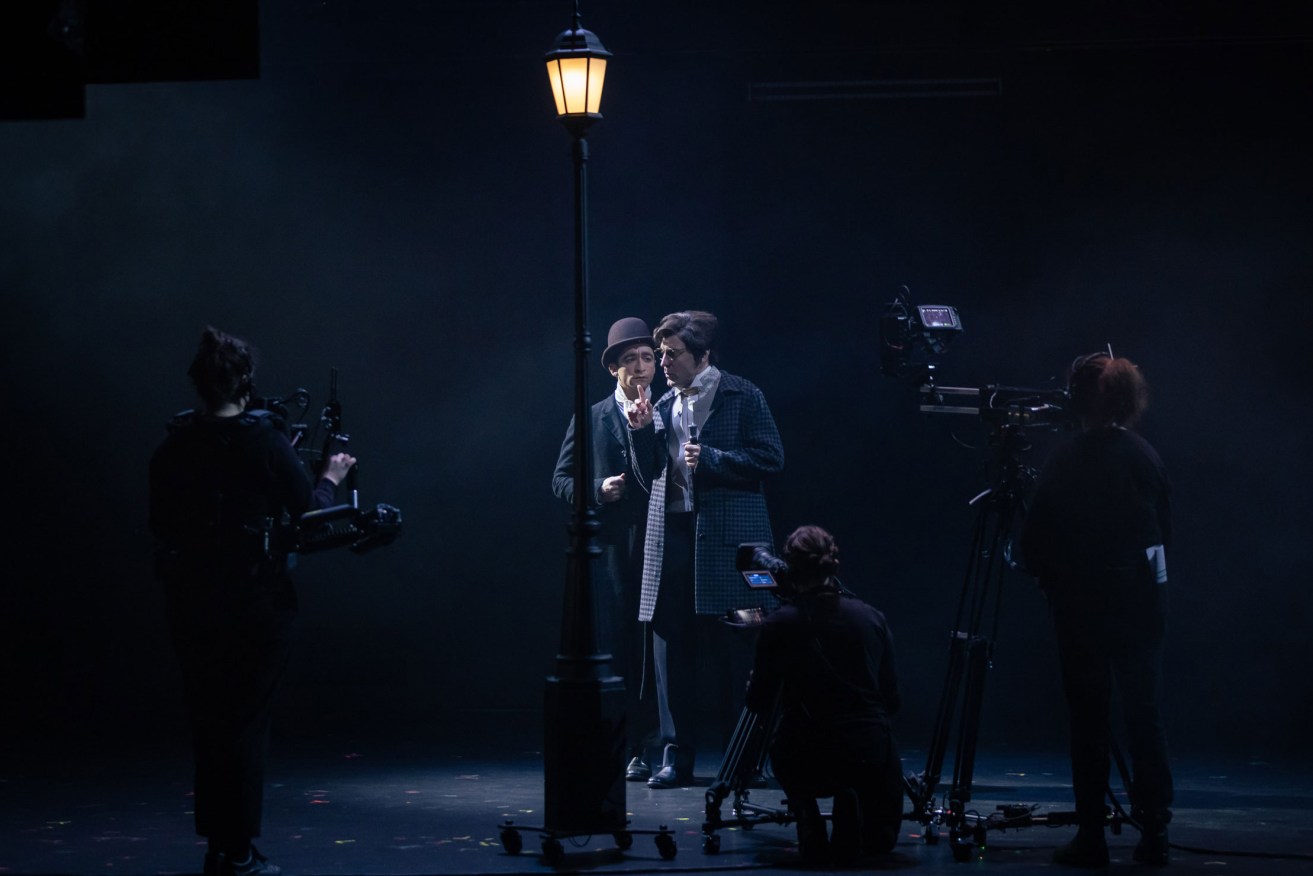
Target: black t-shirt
<point x="1101" y="500"/>
<point x="831" y="656"/>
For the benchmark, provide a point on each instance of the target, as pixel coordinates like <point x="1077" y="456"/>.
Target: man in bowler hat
<point x="619" y="494"/>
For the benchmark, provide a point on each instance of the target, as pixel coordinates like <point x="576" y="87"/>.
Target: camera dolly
<point x="554" y="850"/>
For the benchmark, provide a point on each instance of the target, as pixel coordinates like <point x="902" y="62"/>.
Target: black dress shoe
<point x="638" y="771"/>
<point x="669" y="777"/>
<point x="255" y="864"/>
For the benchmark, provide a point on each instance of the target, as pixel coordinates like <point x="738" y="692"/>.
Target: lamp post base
<point x="584" y="756"/>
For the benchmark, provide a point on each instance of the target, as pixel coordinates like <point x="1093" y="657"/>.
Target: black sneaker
<point x="813" y="846"/>
<point x="846" y="829"/>
<point x="214" y="862"/>
<point x="255" y="864"/>
<point x="1087" y="849"/>
<point x="1153" y="848"/>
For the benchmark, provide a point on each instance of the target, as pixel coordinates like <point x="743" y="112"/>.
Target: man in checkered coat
<point x="714" y="445"/>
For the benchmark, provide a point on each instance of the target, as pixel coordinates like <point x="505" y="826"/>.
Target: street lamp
<point x="576" y="66"/>
<point x="584" y="705"/>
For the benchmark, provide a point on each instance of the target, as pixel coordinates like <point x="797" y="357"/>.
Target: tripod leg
<point x="729" y="765"/>
<point x="745" y="758"/>
<point x="965" y="764"/>
<point x="923" y="790"/>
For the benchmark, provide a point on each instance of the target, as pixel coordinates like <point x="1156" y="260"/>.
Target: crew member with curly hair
<point x="1096" y="535"/>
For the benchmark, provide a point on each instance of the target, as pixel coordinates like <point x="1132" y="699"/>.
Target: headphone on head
<point x="1083" y="379"/>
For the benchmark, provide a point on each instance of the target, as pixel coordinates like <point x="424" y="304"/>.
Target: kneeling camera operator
<point x="826" y="658"/>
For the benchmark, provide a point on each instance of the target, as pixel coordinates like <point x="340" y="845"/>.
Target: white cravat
<point x="691" y="408"/>
<point x="625" y="402"/>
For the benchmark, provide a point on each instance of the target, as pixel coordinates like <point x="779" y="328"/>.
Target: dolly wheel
<point x="553" y="852"/>
<point x="965" y="846"/>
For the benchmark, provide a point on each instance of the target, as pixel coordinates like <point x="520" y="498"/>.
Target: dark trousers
<point x="817" y="764"/>
<point x="233" y="645"/>
<point x="707" y="662"/>
<point x="616" y="590"/>
<point x="1093" y="660"/>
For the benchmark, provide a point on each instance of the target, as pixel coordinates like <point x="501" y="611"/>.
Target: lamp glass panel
<point x="554" y="74"/>
<point x="597" y="74"/>
<point x="574" y="82"/>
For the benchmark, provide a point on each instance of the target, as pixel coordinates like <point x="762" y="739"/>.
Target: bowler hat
<point x="624" y="332"/>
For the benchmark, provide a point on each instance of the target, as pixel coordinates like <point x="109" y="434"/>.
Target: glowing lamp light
<point x="576" y="66"/>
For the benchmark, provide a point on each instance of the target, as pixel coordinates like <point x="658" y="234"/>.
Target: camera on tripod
<point x="906" y="329"/>
<point x="911" y="335"/>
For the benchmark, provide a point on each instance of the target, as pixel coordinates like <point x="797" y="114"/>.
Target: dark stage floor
<point x="368" y="811"/>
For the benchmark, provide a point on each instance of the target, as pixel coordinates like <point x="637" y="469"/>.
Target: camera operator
<point x="220" y="484"/>
<point x="829" y="657"/>
<point x="1095" y="537"/>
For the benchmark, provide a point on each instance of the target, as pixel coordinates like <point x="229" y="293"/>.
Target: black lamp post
<point x="584" y="749"/>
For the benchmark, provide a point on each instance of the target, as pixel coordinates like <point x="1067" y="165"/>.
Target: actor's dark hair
<point x="223" y="368"/>
<point x="696" y="328"/>
<point x="1107" y="391"/>
<point x="811" y="553"/>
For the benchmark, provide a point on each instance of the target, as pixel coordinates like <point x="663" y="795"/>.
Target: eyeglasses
<point x="668" y="353"/>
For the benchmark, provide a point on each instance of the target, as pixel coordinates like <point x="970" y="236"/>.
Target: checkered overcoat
<point x="741" y="447"/>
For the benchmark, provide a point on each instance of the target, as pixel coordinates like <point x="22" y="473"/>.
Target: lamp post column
<point x="584" y="704"/>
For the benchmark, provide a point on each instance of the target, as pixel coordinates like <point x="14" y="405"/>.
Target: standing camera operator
<point x="1095" y="536"/>
<point x="220" y="484"/>
<point x="829" y="657"/>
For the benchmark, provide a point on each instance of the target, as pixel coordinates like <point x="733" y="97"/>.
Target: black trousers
<point x="1097" y="653"/>
<point x="815" y="762"/>
<point x="233" y="640"/>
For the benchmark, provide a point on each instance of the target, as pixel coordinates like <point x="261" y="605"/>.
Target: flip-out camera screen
<point x="936" y="316"/>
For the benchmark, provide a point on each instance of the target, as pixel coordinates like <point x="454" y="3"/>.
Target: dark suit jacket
<point x="617" y="577"/>
<point x="741" y="447"/>
<point x="610" y="457"/>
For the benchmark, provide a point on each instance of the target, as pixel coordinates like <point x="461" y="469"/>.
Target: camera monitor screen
<point x="758" y="579"/>
<point x="938" y="316"/>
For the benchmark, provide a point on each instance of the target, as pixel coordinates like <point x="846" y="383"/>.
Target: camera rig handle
<point x="331" y="421"/>
<point x="345" y="525"/>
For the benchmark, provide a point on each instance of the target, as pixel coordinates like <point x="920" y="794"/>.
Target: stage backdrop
<point x="391" y="197"/>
